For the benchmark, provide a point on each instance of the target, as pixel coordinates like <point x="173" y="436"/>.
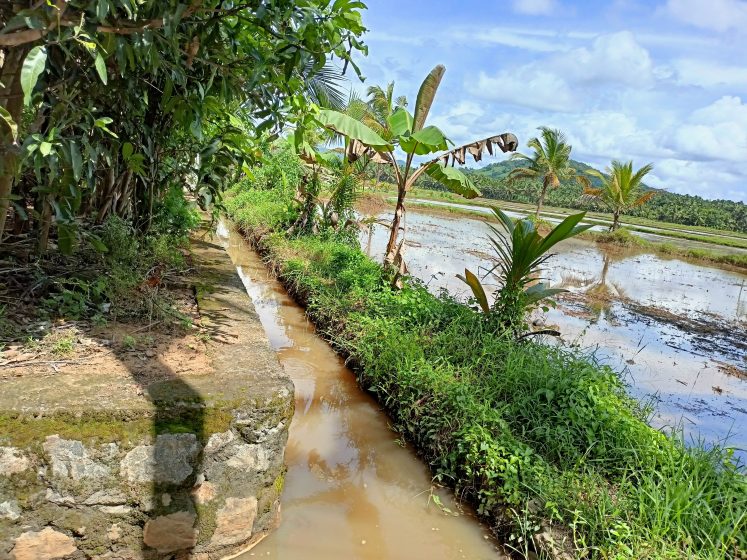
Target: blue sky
<point x="653" y="81"/>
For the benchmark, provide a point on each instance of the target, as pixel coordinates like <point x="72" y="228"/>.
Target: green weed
<point x="526" y="431"/>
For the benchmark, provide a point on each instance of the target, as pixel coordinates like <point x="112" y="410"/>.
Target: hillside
<point x="666" y="206"/>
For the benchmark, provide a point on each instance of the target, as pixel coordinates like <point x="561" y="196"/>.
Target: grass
<point x="535" y="436"/>
<point x="62" y="344"/>
<point x="125" y="281"/>
<point x="624" y="238"/>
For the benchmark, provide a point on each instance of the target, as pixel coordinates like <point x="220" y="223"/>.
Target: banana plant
<point x="520" y="252"/>
<point x="414" y="138"/>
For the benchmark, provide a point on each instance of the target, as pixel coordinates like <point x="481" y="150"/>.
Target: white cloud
<point x="514" y="38"/>
<point x="697" y="178"/>
<point x="535" y="7"/>
<point x="715" y="132"/>
<point x="607" y="135"/>
<point x="716" y="15"/>
<point x="612" y="58"/>
<point x="710" y="74"/>
<point x="527" y="86"/>
<point x="561" y="81"/>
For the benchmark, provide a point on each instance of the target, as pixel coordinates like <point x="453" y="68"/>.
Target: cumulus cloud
<point x="710" y="74"/>
<point x="535" y="7"/>
<point x="611" y="58"/>
<point x="527" y="86"/>
<point x="716" y="15"/>
<point x="685" y="176"/>
<point x="716" y="132"/>
<point x="607" y="135"/>
<point x="560" y="81"/>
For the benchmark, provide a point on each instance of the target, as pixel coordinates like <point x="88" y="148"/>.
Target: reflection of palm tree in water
<point x="602" y="294"/>
<point x="742" y="303"/>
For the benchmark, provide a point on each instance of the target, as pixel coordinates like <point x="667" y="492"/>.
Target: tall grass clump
<point x="535" y="436"/>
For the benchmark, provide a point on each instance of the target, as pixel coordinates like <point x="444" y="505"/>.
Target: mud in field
<point x="675" y="331"/>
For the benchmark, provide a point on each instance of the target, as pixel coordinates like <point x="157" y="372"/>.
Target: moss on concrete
<point x="29" y="432"/>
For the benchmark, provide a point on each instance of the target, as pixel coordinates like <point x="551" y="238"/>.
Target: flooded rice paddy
<point x="645" y="232"/>
<point x="676" y="331"/>
<point x="352" y="490"/>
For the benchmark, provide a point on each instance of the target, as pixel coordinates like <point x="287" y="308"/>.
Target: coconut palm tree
<point x="621" y="189"/>
<point x="379" y="108"/>
<point x="381" y="104"/>
<point x="550" y="163"/>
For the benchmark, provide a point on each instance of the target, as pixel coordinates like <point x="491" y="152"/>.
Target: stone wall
<point x="191" y="468"/>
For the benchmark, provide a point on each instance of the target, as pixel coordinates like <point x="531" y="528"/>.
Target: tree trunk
<point x="45" y="225"/>
<point x="11" y="99"/>
<point x="541" y="201"/>
<point x="392" y="248"/>
<point x="615" y="220"/>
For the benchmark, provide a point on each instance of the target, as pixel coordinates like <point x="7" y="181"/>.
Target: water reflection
<point x="351" y="490"/>
<point x="676" y="326"/>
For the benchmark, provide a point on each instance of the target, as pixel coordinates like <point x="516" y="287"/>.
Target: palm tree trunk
<point x="541" y="201"/>
<point x="11" y="99"/>
<point x="615" y="220"/>
<point x="399" y="214"/>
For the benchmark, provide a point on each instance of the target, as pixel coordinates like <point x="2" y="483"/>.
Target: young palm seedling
<point x="521" y="251"/>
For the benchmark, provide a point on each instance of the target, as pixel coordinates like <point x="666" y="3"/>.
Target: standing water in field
<point x="352" y="490"/>
<point x="675" y="330"/>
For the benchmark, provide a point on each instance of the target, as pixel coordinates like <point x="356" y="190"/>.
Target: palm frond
<point x="325" y="86"/>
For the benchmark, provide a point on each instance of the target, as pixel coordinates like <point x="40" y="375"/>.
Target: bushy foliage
<point x="106" y="106"/>
<point x="516" y="427"/>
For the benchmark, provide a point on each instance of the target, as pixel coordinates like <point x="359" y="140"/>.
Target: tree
<point x="124" y="100"/>
<point x="381" y="104"/>
<point x="409" y="134"/>
<point x="550" y="163"/>
<point x="621" y="189"/>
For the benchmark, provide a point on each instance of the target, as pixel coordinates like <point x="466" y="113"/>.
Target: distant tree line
<point x="683" y="209"/>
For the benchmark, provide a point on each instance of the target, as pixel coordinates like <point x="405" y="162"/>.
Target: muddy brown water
<point x="353" y="491"/>
<point x="668" y="326"/>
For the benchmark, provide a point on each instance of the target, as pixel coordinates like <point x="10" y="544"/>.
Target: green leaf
<point x="477" y="289"/>
<point x="400" y="122"/>
<point x="127" y="150"/>
<point x="76" y="159"/>
<point x="453" y="179"/>
<point x="539" y="292"/>
<point x="565" y="229"/>
<point x="33" y="66"/>
<point x="101" y="67"/>
<point x="97" y="244"/>
<point x="425" y="141"/>
<point x="426" y="94"/>
<point x="102" y="122"/>
<point x="8" y="119"/>
<point x="505" y="219"/>
<point x="348" y="126"/>
<point x="66" y="237"/>
<point x="45" y="148"/>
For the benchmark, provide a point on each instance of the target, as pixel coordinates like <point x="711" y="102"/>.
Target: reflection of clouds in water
<point x="448" y="245"/>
